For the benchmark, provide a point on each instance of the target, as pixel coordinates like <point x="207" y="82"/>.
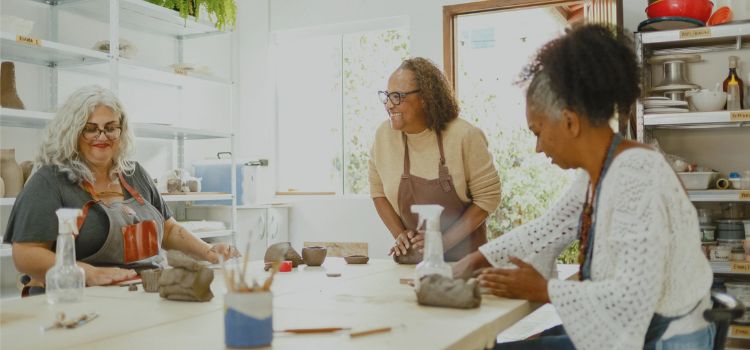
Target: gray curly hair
<point x="60" y="142"/>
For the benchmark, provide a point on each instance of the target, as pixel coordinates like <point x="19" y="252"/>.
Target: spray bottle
<point x="65" y="281"/>
<point x="432" y="261"/>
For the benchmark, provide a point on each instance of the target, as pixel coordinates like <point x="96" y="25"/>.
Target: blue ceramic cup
<point x="248" y="319"/>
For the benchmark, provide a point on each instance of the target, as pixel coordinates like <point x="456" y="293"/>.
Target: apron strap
<point x="131" y="190"/>
<point x="407" y="163"/>
<point x="443" y="173"/>
<point x="82" y="218"/>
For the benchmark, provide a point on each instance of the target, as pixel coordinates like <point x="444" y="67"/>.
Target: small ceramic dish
<point x="357" y="259"/>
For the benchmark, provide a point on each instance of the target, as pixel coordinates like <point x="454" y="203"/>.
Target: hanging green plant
<point x="223" y="12"/>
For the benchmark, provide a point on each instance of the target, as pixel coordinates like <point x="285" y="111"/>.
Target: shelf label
<point x="739" y="267"/>
<point x="697" y="33"/>
<point x="745" y="195"/>
<point x="740" y="116"/>
<point x="736" y="331"/>
<point x="28" y="40"/>
<point x="181" y="71"/>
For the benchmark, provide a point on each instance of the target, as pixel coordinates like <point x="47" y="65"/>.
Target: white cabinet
<point x="259" y="226"/>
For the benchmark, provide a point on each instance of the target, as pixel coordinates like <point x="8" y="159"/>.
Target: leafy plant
<point x="223" y="12"/>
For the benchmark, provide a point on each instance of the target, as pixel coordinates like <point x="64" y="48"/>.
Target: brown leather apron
<point x="417" y="190"/>
<point x="136" y="229"/>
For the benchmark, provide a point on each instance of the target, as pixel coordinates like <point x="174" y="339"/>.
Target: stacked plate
<point x="659" y="104"/>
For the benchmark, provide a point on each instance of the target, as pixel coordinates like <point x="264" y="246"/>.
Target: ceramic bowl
<point x="150" y="279"/>
<point x="695" y="9"/>
<point x="707" y="100"/>
<point x="314" y="256"/>
<point x="357" y="259"/>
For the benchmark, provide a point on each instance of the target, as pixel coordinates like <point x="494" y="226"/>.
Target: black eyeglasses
<point x="395" y="96"/>
<point x="91" y="132"/>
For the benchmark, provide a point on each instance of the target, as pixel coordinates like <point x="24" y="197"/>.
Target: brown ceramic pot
<point x="314" y="256"/>
<point x="282" y="251"/>
<point x="150" y="279"/>
<point x="8" y="94"/>
<point x="357" y="259"/>
<point x="10" y="172"/>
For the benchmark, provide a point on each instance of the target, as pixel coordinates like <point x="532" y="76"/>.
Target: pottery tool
<point x="243" y="284"/>
<point x="370" y="331"/>
<point x="312" y="330"/>
<point x="269" y="280"/>
<point x="407" y="281"/>
<point x="225" y="274"/>
<point x="62" y="322"/>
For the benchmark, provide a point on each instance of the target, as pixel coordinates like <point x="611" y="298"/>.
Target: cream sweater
<point x="466" y="155"/>
<point x="647" y="255"/>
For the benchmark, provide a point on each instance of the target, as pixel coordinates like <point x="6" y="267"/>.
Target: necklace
<point x="588" y="207"/>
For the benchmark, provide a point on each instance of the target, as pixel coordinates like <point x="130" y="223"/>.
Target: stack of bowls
<point x="695" y="9"/>
<point x="730" y="233"/>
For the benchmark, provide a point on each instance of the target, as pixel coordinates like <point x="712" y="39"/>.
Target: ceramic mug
<point x="248" y="320"/>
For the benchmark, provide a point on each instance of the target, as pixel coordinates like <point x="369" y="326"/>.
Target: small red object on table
<point x="285" y="266"/>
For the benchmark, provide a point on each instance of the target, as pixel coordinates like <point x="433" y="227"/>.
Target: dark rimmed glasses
<point x="396" y="97"/>
<point x="92" y="131"/>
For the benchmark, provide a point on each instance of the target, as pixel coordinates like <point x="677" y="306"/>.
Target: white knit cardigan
<point x="647" y="255"/>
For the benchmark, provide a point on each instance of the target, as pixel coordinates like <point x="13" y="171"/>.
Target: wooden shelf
<point x="739" y="331"/>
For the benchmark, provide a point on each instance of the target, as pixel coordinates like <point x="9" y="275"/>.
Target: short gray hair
<point x="541" y="98"/>
<point x="60" y="142"/>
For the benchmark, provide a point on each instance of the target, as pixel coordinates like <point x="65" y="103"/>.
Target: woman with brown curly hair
<point x="425" y="154"/>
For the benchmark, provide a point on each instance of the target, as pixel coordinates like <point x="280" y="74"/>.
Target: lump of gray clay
<point x="437" y="290"/>
<point x="187" y="280"/>
<point x="412" y="257"/>
<point x="282" y="251"/>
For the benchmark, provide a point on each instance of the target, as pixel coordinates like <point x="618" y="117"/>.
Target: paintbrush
<point x="312" y="330"/>
<point x="243" y="283"/>
<point x="371" y="331"/>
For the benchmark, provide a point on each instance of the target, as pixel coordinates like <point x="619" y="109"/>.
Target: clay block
<point x="282" y="251"/>
<point x="187" y="280"/>
<point x="437" y="290"/>
<point x="412" y="257"/>
<point x="150" y="280"/>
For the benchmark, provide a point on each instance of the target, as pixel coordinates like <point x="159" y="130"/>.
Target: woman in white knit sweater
<point x="644" y="281"/>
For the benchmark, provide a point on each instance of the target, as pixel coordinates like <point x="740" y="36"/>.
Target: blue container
<point x="215" y="176"/>
<point x="248" y="320"/>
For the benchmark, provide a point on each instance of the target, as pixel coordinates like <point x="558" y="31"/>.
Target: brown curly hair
<point x="440" y="102"/>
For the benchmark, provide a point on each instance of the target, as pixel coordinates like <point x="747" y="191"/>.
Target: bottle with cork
<point x="734" y="87"/>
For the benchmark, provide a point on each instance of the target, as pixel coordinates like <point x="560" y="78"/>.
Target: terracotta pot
<point x="11" y="172"/>
<point x="314" y="256"/>
<point x="8" y="94"/>
<point x="26" y="167"/>
<point x="2" y="187"/>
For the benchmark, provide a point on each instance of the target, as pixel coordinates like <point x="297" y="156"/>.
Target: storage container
<point x="697" y="180"/>
<point x="216" y="177"/>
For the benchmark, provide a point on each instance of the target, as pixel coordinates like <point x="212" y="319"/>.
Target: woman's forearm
<point x="389" y="217"/>
<point x="464" y="226"/>
<point x="178" y="237"/>
<point x="34" y="259"/>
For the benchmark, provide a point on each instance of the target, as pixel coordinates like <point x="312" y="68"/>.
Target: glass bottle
<point x="432" y="262"/>
<point x="65" y="280"/>
<point x="733" y="86"/>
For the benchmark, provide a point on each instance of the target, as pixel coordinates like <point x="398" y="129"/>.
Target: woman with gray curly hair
<point x="84" y="162"/>
<point x="426" y="154"/>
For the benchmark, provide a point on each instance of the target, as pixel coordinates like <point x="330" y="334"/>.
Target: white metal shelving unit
<point x="725" y="38"/>
<point x="141" y="16"/>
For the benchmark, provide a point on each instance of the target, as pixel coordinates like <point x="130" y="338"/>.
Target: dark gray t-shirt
<point x="33" y="217"/>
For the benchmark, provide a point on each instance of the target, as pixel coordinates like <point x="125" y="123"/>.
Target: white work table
<point x="364" y="297"/>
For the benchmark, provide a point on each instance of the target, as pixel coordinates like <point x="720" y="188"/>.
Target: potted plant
<point x="223" y="12"/>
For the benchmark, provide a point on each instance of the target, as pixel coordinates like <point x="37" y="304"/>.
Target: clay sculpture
<point x="412" y="257"/>
<point x="282" y="251"/>
<point x="314" y="256"/>
<point x="437" y="290"/>
<point x="188" y="280"/>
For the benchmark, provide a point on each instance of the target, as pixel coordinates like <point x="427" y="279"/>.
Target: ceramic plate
<point x="665" y="110"/>
<point x="667" y="58"/>
<point x="673" y="87"/>
<point x="669" y="23"/>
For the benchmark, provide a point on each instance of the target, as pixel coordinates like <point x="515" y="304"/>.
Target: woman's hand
<point x="525" y="282"/>
<point x="102" y="276"/>
<point x="418" y="241"/>
<point x="225" y="250"/>
<point x="402" y="243"/>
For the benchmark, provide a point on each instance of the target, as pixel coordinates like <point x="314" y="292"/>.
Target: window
<point x="327" y="107"/>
